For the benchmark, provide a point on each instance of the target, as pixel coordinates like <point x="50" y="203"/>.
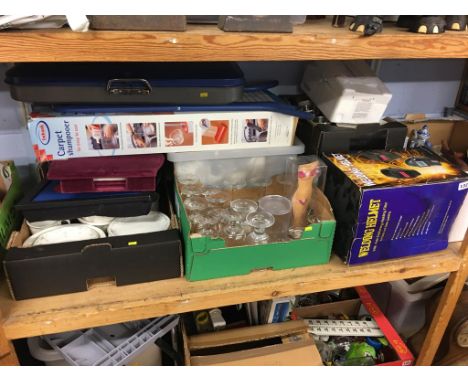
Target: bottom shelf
<point x="109" y="304"/>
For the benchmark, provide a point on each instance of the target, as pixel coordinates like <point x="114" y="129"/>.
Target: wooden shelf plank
<point x="314" y="40"/>
<point x="107" y="305"/>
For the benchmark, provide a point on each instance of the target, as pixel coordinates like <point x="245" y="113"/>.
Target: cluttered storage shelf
<point x="105" y="305"/>
<point x="314" y="40"/>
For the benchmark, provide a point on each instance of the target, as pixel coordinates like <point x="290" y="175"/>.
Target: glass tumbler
<point x="280" y="207"/>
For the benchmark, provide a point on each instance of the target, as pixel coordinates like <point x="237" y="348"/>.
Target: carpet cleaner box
<point x="391" y="204"/>
<point x="61" y="136"/>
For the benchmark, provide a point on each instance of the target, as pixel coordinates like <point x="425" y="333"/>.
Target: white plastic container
<point x="346" y="92"/>
<point x="234" y="167"/>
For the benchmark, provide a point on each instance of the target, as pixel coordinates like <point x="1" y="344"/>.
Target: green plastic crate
<point x="8" y="215"/>
<point x="207" y="258"/>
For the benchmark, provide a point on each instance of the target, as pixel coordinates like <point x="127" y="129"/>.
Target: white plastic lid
<point x="296" y="149"/>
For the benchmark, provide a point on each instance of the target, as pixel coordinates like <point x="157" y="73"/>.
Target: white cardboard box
<point x="346" y="92"/>
<point x="56" y="136"/>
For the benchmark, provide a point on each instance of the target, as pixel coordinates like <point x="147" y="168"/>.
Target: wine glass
<point x="217" y="198"/>
<point x="259" y="221"/>
<point x="244" y="206"/>
<point x="195" y="204"/>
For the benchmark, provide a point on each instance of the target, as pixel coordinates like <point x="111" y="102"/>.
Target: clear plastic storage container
<point x="240" y="168"/>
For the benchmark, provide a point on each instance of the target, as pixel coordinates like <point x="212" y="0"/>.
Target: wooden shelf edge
<point x="107" y="305"/>
<point x="315" y="40"/>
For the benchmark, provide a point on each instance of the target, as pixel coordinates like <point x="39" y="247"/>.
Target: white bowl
<point x="36" y="227"/>
<point x="153" y="222"/>
<point x="64" y="233"/>
<point x="101" y="222"/>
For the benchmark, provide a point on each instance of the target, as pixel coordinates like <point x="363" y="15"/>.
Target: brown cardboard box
<point x="454" y="132"/>
<point x="402" y="356"/>
<point x="281" y="344"/>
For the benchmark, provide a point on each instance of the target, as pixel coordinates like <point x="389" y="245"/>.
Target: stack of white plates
<point x="64" y="233"/>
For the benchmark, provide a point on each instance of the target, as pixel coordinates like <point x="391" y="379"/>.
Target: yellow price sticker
<point x="203" y="94"/>
<point x="132" y="243"/>
<point x="308" y="228"/>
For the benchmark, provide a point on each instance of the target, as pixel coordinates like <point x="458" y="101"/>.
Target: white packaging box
<point x="59" y="136"/>
<point x="346" y="92"/>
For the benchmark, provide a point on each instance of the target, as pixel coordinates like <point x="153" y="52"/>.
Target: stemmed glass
<point x="233" y="231"/>
<point x="195" y="204"/>
<point x="244" y="206"/>
<point x="259" y="221"/>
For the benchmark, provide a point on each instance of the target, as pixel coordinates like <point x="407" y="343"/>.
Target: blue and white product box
<point x="392" y="204"/>
<point x="62" y="136"/>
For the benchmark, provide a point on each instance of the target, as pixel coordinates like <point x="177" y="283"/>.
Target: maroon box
<point x="106" y="174"/>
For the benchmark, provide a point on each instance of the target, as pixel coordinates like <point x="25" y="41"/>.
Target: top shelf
<point x="314" y="40"/>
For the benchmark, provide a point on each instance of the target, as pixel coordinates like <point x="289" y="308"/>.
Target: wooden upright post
<point x="445" y="309"/>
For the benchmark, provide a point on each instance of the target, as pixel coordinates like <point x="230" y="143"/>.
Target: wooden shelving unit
<point x="315" y="40"/>
<point x="111" y="304"/>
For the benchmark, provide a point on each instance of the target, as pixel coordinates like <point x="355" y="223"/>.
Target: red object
<point x="220" y="133"/>
<point x="404" y="355"/>
<point x="106" y="174"/>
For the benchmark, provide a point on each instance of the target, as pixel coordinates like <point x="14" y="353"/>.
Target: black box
<point x="329" y="138"/>
<point x="76" y="206"/>
<point x="74" y="266"/>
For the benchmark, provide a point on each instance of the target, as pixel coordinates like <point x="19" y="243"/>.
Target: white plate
<point x="64" y="233"/>
<point x="153" y="222"/>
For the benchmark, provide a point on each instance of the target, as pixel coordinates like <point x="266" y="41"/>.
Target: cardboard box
<point x="329" y="138"/>
<point x="77" y="266"/>
<point x="282" y="344"/>
<point x="392" y="204"/>
<point x="351" y="308"/>
<point x="61" y="136"/>
<point x="209" y="258"/>
<point x="453" y="132"/>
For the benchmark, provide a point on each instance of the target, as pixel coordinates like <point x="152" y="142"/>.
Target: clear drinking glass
<point x="259" y="221"/>
<point x="244" y="206"/>
<point x="218" y="198"/>
<point x="280" y="207"/>
<point x="233" y="231"/>
<point x="195" y="204"/>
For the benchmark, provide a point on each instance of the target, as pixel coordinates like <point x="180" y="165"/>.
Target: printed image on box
<point x="256" y="130"/>
<point x="379" y="167"/>
<point x="178" y="133"/>
<point x="103" y="136"/>
<point x="141" y="135"/>
<point x="62" y="136"/>
<point x="214" y="132"/>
